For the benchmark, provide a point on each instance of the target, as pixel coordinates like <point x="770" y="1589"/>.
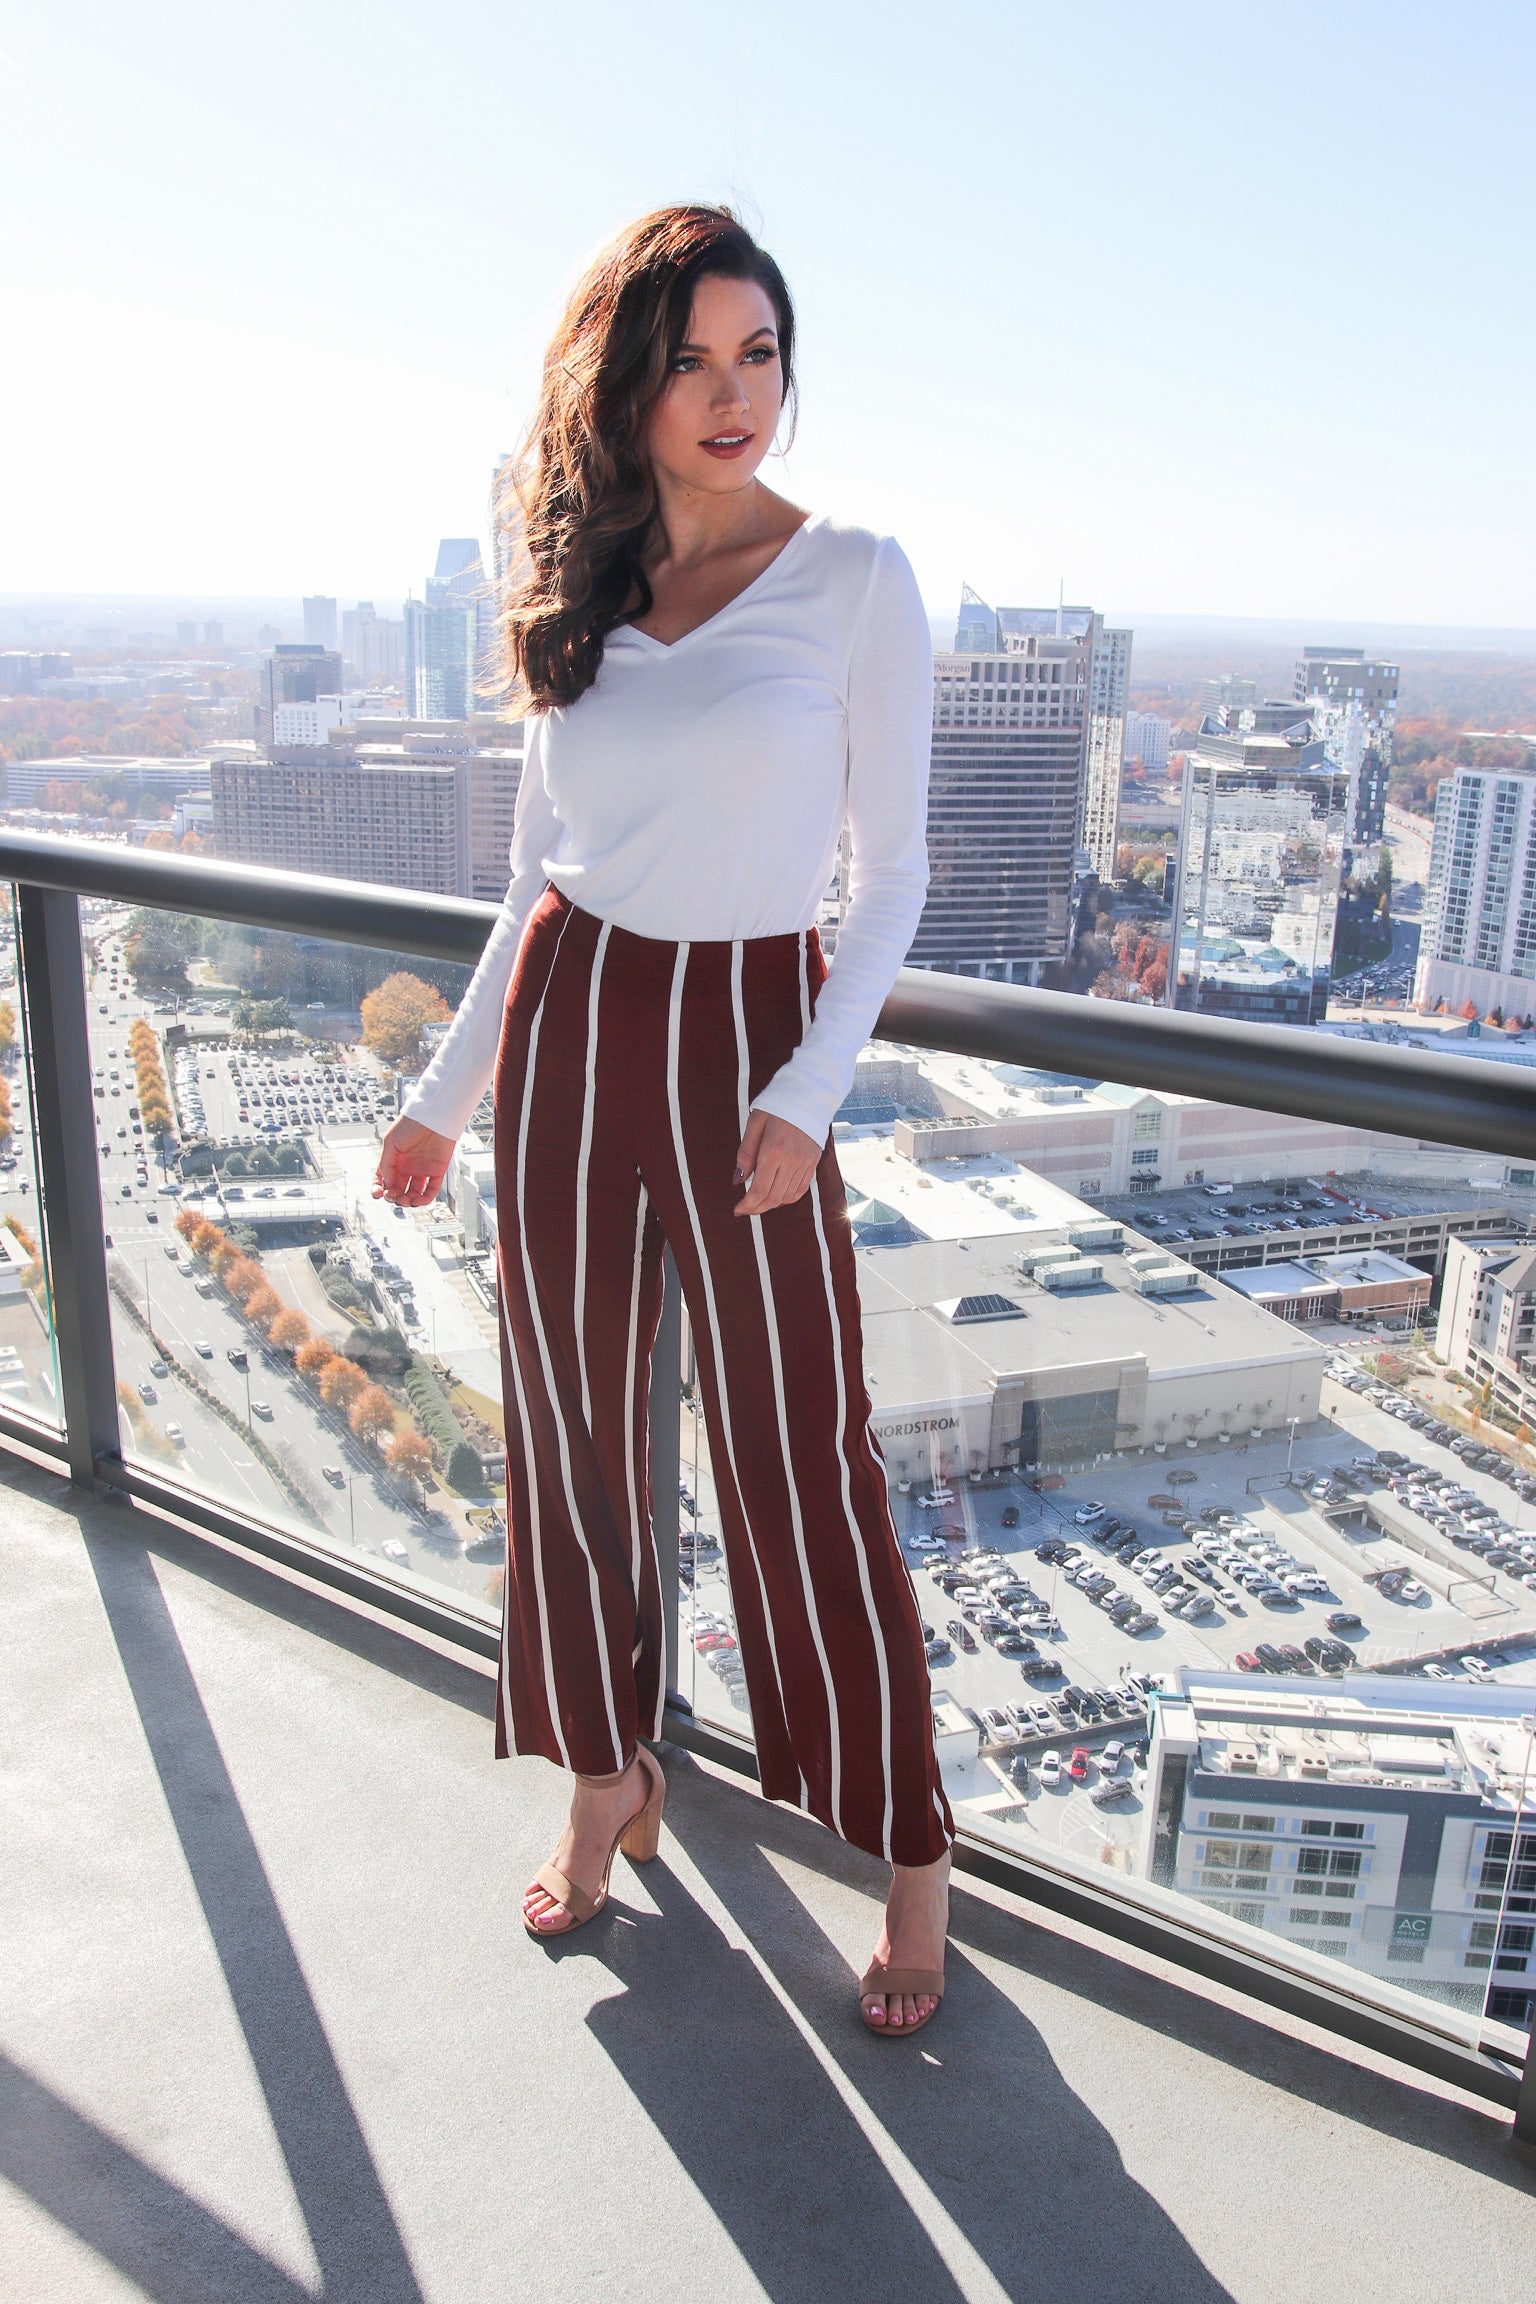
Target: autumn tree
<point x="395" y="1016"/>
<point x="313" y="1358"/>
<point x="341" y="1382"/>
<point x="7" y="1025"/>
<point x="244" y="1279"/>
<point x="289" y="1330"/>
<point x="372" y="1413"/>
<point x="410" y="1454"/>
<point x="263" y="1308"/>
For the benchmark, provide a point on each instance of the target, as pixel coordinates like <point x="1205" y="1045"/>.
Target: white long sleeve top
<point x="698" y="791"/>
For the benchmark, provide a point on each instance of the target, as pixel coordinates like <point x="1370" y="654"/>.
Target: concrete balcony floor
<point x="270" y="2028"/>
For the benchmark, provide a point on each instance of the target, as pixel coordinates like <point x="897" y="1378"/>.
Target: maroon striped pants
<point x="626" y="1071"/>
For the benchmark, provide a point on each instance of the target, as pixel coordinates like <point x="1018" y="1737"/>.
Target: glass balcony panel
<point x="29" y="1374"/>
<point x="1218" y="1415"/>
<point x="710" y="1675"/>
<point x="287" y="1344"/>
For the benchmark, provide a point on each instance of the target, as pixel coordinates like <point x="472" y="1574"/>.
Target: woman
<point x="714" y="681"/>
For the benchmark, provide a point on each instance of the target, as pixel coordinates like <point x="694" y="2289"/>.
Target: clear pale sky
<point x="1217" y="309"/>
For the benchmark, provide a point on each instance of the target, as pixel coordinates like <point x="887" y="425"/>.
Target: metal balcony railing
<point x="1436" y="1099"/>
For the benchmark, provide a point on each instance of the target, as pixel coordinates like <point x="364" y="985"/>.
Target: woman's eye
<point x="761" y="354"/>
<point x="684" y="363"/>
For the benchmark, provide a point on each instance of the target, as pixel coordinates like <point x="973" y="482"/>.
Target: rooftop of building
<point x="1368" y="1730"/>
<point x="1364" y="1268"/>
<point x="1287" y="1282"/>
<point x="986" y="1193"/>
<point x="1208" y="1327"/>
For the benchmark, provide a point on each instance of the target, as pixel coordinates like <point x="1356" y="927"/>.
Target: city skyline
<point x="1012" y="427"/>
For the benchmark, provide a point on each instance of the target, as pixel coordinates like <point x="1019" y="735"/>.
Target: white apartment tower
<point x="1479" y="936"/>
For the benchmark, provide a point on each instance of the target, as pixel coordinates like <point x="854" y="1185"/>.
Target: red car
<point x="1246" y="1662"/>
<point x="1077" y="1766"/>
<point x="708" y="1642"/>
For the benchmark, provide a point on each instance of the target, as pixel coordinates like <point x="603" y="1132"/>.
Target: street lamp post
<point x="1292" y="1421"/>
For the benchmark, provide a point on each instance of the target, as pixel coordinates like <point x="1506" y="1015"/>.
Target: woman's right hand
<point x="412" y="1164"/>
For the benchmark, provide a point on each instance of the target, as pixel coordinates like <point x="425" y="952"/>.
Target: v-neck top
<point x="699" y="788"/>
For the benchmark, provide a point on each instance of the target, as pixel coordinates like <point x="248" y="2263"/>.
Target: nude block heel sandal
<point x="639" y="1839"/>
<point x="907" y="1983"/>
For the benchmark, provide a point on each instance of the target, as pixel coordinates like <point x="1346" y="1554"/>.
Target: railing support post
<point x="59" y="1049"/>
<point x="664" y="1410"/>
<point x="1525" y="2102"/>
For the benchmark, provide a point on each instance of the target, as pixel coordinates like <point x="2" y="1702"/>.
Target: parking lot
<point x="1271" y="1578"/>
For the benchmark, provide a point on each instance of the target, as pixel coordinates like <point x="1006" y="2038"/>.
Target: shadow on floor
<point x="155" y="2234"/>
<point x="357" y="2244"/>
<point x="1396" y="2107"/>
<point x="848" y="2166"/>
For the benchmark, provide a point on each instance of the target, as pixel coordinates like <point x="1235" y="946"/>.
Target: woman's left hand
<point x="777" y="1160"/>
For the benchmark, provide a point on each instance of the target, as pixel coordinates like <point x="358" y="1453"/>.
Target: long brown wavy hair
<point x="573" y="509"/>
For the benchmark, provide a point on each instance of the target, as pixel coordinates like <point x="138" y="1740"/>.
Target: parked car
<point x="1343" y="1620"/>
<point x="1114" y="1788"/>
<point x="1010" y="1515"/>
<point x="1050" y="1770"/>
<point x="1087" y="1514"/>
<point x="1079" y="1764"/>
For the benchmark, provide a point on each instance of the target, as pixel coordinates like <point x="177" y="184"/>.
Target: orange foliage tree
<point x="242" y="1275"/>
<point x="341" y="1381"/>
<point x="394" y="1017"/>
<point x="372" y="1413"/>
<point x="311" y="1358"/>
<point x="409" y="1453"/>
<point x="289" y="1331"/>
<point x="263" y="1308"/>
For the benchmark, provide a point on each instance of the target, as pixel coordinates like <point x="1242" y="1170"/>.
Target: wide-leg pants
<point x="626" y="1070"/>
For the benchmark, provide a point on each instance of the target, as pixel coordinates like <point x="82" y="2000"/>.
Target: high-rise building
<point x="373" y="645"/>
<point x="295" y="673"/>
<point x="1353" y="703"/>
<point x="459" y="579"/>
<point x="1004" y="799"/>
<point x="213" y="635"/>
<point x="1109" y="674"/>
<point x="186" y="635"/>
<point x="441" y="647"/>
<point x="269" y="636"/>
<point x="426" y="807"/>
<point x="1478" y="942"/>
<point x="1148" y="739"/>
<point x="1262" y="832"/>
<point x="320" y="622"/>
